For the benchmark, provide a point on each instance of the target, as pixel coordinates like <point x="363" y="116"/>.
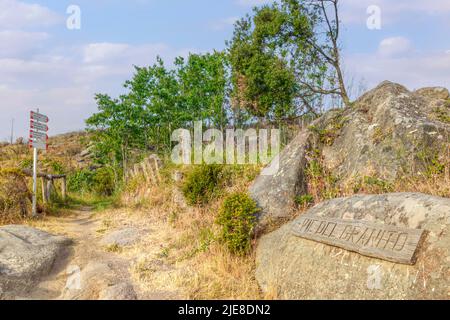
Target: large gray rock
<point x="276" y="193"/>
<point x="389" y="133"/>
<point x="26" y="254"/>
<point x="290" y="267"/>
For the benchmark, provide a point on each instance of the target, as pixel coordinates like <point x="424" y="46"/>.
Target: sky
<point x="48" y="64"/>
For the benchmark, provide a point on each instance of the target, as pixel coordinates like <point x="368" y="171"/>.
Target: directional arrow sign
<point x="38" y="126"/>
<point x="38" y="145"/>
<point x="38" y="135"/>
<point x="39" y="117"/>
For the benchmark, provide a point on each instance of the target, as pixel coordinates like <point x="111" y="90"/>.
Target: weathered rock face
<point x="26" y="254"/>
<point x="295" y="268"/>
<point x="276" y="193"/>
<point x="387" y="134"/>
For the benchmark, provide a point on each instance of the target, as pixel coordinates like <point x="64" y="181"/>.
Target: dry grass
<point x="181" y="256"/>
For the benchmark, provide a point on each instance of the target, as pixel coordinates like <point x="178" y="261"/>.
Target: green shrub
<point x="80" y="181"/>
<point x="237" y="217"/>
<point x="100" y="181"/>
<point x="103" y="182"/>
<point x="202" y="184"/>
<point x="304" y="200"/>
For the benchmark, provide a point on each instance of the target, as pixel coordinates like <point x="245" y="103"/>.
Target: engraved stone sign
<point x="391" y="243"/>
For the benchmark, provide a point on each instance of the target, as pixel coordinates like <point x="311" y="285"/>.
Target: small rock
<point x="121" y="291"/>
<point x="123" y="237"/>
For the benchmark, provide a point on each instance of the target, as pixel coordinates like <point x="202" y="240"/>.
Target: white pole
<point x="35" y="156"/>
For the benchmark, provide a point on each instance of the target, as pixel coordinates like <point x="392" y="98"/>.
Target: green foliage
<point x="285" y="59"/>
<point x="159" y="100"/>
<point x="443" y="114"/>
<point x="80" y="181"/>
<point x="433" y="164"/>
<point x="380" y="184"/>
<point x="264" y="85"/>
<point x="330" y="133"/>
<point x="304" y="200"/>
<point x="322" y="183"/>
<point x="202" y="184"/>
<point x="237" y="217"/>
<point x="101" y="182"/>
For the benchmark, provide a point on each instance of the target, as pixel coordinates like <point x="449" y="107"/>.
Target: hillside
<point x="192" y="232"/>
<point x="65" y="150"/>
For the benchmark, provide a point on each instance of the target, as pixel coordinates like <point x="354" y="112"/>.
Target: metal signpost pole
<point x="35" y="159"/>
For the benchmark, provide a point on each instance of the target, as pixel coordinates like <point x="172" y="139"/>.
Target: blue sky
<point x="43" y="64"/>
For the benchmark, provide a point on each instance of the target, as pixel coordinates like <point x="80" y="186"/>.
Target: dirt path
<point x="86" y="270"/>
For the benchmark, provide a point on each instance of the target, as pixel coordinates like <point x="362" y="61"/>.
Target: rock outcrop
<point x="99" y="281"/>
<point x="388" y="134"/>
<point x="291" y="267"/>
<point x="26" y="255"/>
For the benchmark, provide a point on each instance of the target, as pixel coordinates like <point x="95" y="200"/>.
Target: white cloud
<point x="354" y="11"/>
<point x="420" y="69"/>
<point x="394" y="46"/>
<point x="63" y="82"/>
<point x="15" y="43"/>
<point x="98" y="52"/>
<point x="16" y="15"/>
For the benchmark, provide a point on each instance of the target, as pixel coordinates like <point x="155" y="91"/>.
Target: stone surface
<point x="99" y="281"/>
<point x="123" y="237"/>
<point x="388" y="133"/>
<point x="121" y="291"/>
<point x="434" y="92"/>
<point x="26" y="255"/>
<point x="276" y="193"/>
<point x="295" y="268"/>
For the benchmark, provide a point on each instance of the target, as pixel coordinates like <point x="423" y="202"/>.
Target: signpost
<point x="38" y="141"/>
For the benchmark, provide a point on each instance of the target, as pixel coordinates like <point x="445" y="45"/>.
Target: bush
<point x="100" y="181"/>
<point x="202" y="184"/>
<point x="237" y="217"/>
<point x="103" y="182"/>
<point x="80" y="181"/>
<point x="14" y="195"/>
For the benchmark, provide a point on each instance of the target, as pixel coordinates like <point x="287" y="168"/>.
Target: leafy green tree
<point x="263" y="83"/>
<point x="158" y="101"/>
<point x="291" y="46"/>
<point x="117" y="130"/>
<point x="203" y="81"/>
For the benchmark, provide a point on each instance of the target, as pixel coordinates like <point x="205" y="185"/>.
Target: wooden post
<point x="44" y="191"/>
<point x="64" y="188"/>
<point x="49" y="189"/>
<point x="147" y="176"/>
<point x="150" y="169"/>
<point x="157" y="169"/>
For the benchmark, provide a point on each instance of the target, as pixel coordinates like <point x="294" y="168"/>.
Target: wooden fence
<point x="149" y="168"/>
<point x="48" y="184"/>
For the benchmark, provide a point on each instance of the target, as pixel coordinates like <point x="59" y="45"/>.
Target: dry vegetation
<point x="63" y="156"/>
<point x="182" y="256"/>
